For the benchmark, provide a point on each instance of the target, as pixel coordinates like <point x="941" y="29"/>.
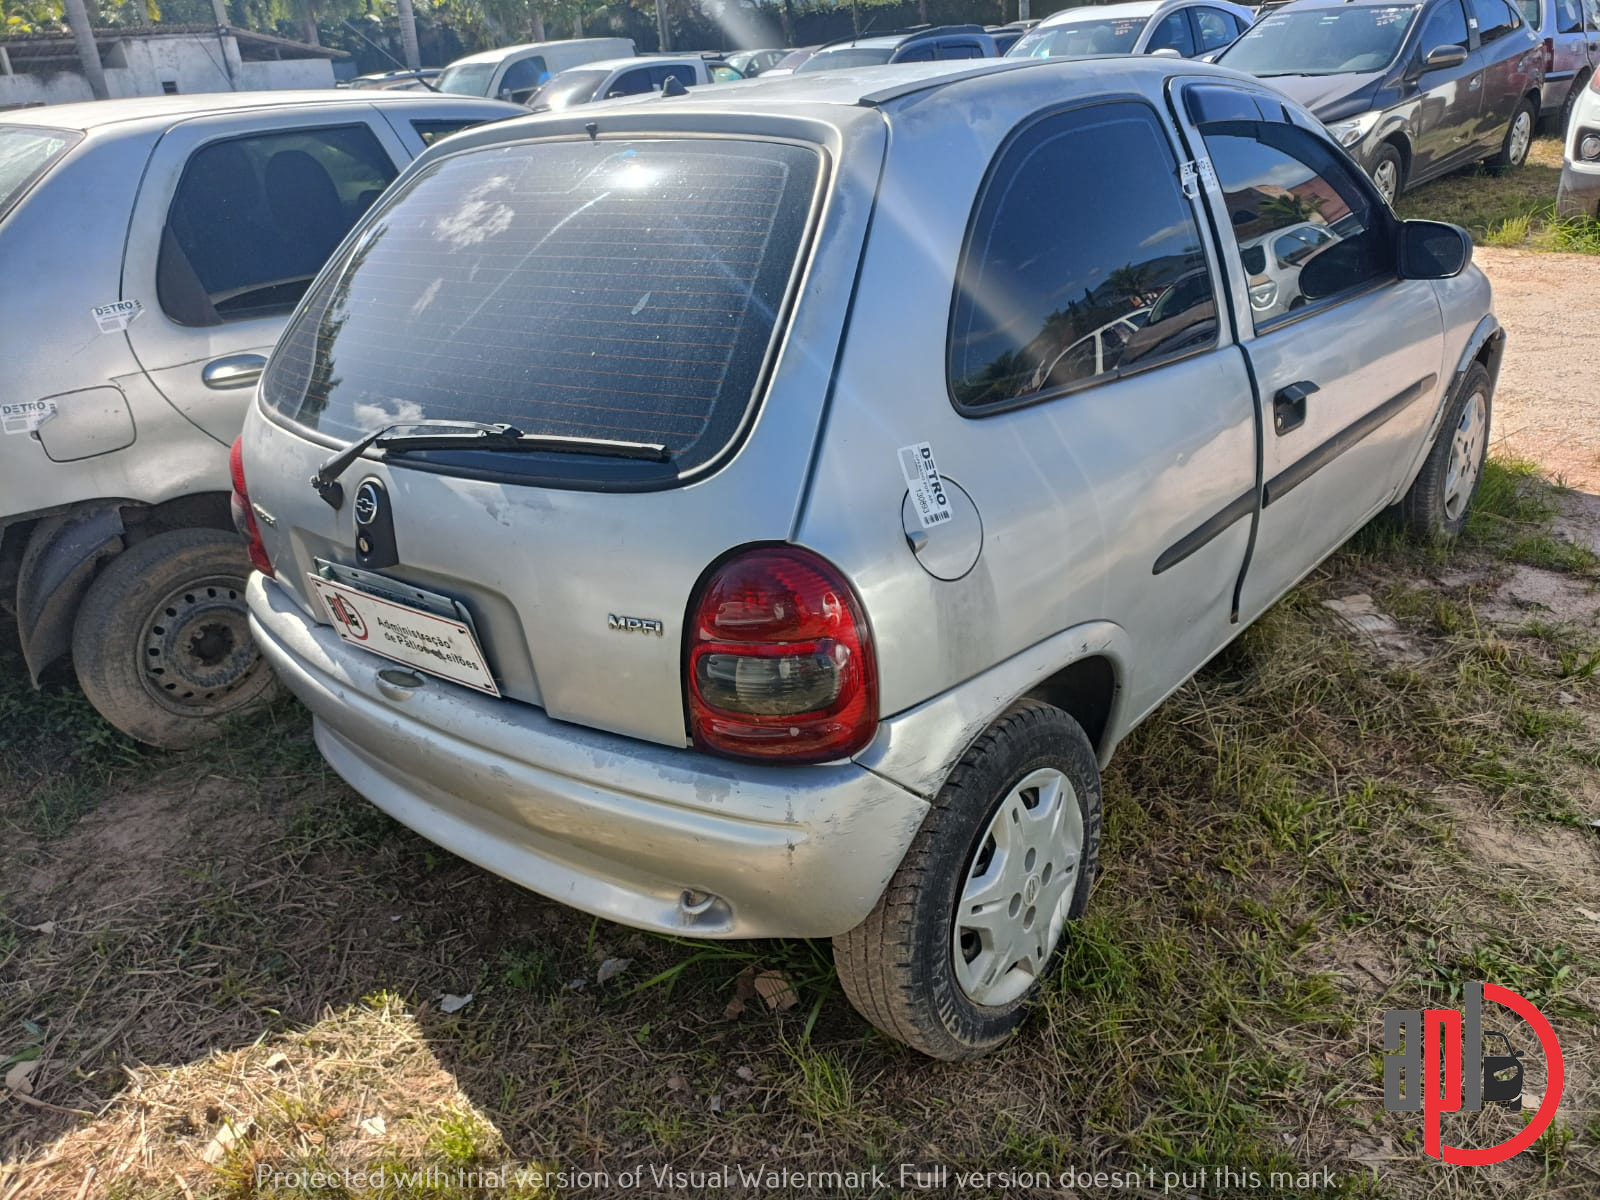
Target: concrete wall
<point x="140" y="66"/>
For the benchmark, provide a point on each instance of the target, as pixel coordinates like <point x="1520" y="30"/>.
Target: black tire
<point x="1389" y="159"/>
<point x="898" y="966"/>
<point x="1435" y="508"/>
<point x="1514" y="151"/>
<point x="161" y="642"/>
<point x="1564" y="117"/>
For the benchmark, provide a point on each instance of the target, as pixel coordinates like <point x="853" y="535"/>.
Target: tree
<point x="1133" y="281"/>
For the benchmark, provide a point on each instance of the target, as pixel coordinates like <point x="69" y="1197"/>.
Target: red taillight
<point x="244" y="518"/>
<point x="1549" y="49"/>
<point x="780" y="661"/>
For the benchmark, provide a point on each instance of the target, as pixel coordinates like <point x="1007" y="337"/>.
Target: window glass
<point x="1101" y="35"/>
<point x="1295" y="209"/>
<point x="1082" y="231"/>
<point x="1445" y="25"/>
<point x="683" y="73"/>
<point x="431" y="131"/>
<point x="1530" y="11"/>
<point x="960" y="50"/>
<point x="1569" y="16"/>
<point x="25" y="155"/>
<point x="916" y="52"/>
<point x="630" y="83"/>
<point x="254" y="218"/>
<point x="1215" y="28"/>
<point x="1591" y="10"/>
<point x="466" y="79"/>
<point x="1172" y="34"/>
<point x="1496" y="18"/>
<point x="610" y="290"/>
<point x="1322" y="41"/>
<point x="524" y="75"/>
<point x="725" y="74"/>
<point x="568" y="88"/>
<point x="857" y="56"/>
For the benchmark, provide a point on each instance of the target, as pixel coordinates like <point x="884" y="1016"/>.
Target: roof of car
<point x="94" y="114"/>
<point x="640" y="60"/>
<point x="1135" y="8"/>
<point x="494" y="56"/>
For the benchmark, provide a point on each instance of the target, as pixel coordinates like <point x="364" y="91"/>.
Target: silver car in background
<point x="164" y="242"/>
<point x="686" y="508"/>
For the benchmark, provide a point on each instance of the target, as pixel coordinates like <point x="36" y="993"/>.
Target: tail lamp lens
<point x="780" y="660"/>
<point x="244" y="518"/>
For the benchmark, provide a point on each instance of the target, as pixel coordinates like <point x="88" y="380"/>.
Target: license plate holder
<point x="407" y="625"/>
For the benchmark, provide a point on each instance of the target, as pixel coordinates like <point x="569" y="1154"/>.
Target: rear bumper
<point x="1579" y="192"/>
<point x="607" y="824"/>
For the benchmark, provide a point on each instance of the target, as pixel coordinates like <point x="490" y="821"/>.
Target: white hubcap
<point x="1019" y="886"/>
<point x="1387" y="177"/>
<point x="1521" y="137"/>
<point x="1466" y="456"/>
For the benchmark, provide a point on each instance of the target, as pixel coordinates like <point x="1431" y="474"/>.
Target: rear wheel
<point x="1564" y="118"/>
<point x="1519" y="137"/>
<point x="968" y="926"/>
<point x="1437" y="504"/>
<point x="1388" y="173"/>
<point x="162" y="644"/>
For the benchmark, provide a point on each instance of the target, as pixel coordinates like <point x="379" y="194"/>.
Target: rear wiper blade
<point x="507" y="437"/>
<point x="468" y="435"/>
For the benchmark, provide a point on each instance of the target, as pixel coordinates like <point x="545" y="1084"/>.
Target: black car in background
<point x="1412" y="91"/>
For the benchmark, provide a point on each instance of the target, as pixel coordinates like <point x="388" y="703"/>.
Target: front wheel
<point x="161" y="643"/>
<point x="962" y="936"/>
<point x="1519" y="138"/>
<point x="1564" y="119"/>
<point x="1388" y="173"/>
<point x="1436" y="505"/>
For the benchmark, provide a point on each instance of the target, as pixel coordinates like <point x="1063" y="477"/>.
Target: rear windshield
<point x="25" y="155"/>
<point x="594" y="289"/>
<point x="834" y="60"/>
<point x="1321" y="41"/>
<point x="468" y="79"/>
<point x="568" y="88"/>
<point x="1104" y="35"/>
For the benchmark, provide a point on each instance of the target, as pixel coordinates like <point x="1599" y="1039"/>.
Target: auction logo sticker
<point x="1437" y="1057"/>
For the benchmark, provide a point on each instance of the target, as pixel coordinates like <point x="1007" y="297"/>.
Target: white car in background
<point x="1187" y="28"/>
<point x="611" y="78"/>
<point x="1579" y="193"/>
<point x="515" y="72"/>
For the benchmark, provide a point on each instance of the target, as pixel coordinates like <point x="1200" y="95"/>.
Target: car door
<point x="235" y="215"/>
<point x="1591" y="26"/>
<point x="1501" y="33"/>
<point x="521" y="79"/>
<point x="1348" y="371"/>
<point x="1448" y="97"/>
<point x="1569" y="54"/>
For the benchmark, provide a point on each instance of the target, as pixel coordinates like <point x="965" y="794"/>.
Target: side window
<point x="1530" y="11"/>
<point x="1569" y="16"/>
<point x="524" y="75"/>
<point x="721" y="73"/>
<point x="254" y="218"/>
<point x="1072" y="275"/>
<point x="960" y="50"/>
<point x="1305" y="228"/>
<point x="631" y="83"/>
<point x="431" y="131"/>
<point x="684" y="74"/>
<point x="1172" y="34"/>
<point x="1213" y="27"/>
<point x="1446" y="25"/>
<point x="1495" y="19"/>
<point x="1591" y="9"/>
<point x="917" y="53"/>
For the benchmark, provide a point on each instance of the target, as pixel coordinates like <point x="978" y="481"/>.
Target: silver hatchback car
<point x="712" y="513"/>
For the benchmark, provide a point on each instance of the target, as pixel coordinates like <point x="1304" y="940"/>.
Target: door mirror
<point x="1166" y="52"/>
<point x="1441" y="57"/>
<point x="1433" y="250"/>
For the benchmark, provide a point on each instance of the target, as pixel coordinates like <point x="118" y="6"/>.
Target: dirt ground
<point x="1545" y="406"/>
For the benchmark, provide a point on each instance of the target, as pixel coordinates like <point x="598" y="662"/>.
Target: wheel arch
<point x="58" y="553"/>
<point x="1086" y="690"/>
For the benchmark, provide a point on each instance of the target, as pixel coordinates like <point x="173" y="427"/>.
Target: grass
<point x="1516" y="210"/>
<point x="1312" y="830"/>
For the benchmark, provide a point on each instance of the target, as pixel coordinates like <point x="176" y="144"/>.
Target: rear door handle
<point x="1289" y="406"/>
<point x="235" y="371"/>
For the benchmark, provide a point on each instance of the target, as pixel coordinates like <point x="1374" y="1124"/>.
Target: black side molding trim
<point x="1204" y="532"/>
<point x="1297" y="472"/>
